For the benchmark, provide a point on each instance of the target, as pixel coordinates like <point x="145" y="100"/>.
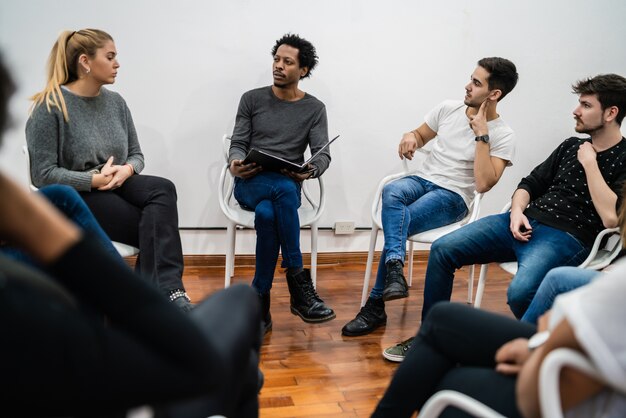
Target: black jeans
<point x="455" y="349"/>
<point x="143" y="213"/>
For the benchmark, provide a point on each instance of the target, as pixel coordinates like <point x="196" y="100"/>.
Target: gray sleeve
<point x="135" y="156"/>
<point x="318" y="137"/>
<point x="240" y="141"/>
<point x="43" y="131"/>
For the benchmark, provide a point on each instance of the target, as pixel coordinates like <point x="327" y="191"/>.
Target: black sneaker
<point x="395" y="283"/>
<point x="370" y="317"/>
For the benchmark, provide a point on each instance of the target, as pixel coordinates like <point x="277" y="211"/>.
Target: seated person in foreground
<point x="57" y="351"/>
<point x="69" y="202"/>
<point x="472" y="148"/>
<point x="556" y="211"/>
<point x="561" y="280"/>
<point x="82" y="135"/>
<point x="283" y="120"/>
<point x="487" y="356"/>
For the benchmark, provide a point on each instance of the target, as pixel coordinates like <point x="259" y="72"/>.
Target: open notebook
<point x="273" y="163"/>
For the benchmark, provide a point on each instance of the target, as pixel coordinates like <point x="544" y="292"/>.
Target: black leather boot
<point x="265" y="312"/>
<point x="370" y="317"/>
<point x="395" y="283"/>
<point x="304" y="299"/>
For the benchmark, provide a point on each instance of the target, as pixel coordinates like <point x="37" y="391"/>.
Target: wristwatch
<point x="538" y="339"/>
<point x="484" y="138"/>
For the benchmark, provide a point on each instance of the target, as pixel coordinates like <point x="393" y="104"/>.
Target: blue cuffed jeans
<point x="67" y="200"/>
<point x="558" y="280"/>
<point x="275" y="200"/>
<point x="411" y="205"/>
<point x="490" y="240"/>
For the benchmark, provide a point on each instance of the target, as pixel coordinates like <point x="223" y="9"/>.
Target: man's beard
<point x="590" y="130"/>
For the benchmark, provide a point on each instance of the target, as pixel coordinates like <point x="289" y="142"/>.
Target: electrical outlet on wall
<point x="344" y="228"/>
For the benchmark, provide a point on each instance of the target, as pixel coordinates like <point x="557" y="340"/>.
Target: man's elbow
<point x="484" y="186"/>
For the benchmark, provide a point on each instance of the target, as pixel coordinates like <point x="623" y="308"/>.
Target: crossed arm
<point x="604" y="199"/>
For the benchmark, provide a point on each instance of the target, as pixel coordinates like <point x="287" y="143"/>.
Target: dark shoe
<point x="304" y="299"/>
<point x="179" y="298"/>
<point x="265" y="312"/>
<point x="370" y="317"/>
<point x="395" y="284"/>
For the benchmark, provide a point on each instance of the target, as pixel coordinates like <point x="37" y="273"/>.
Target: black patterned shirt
<point x="558" y="189"/>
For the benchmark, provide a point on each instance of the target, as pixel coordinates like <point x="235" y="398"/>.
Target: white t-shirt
<point x="450" y="164"/>
<point x="597" y="314"/>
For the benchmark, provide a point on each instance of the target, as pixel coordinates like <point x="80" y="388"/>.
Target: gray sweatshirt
<point x="65" y="152"/>
<point x="280" y="127"/>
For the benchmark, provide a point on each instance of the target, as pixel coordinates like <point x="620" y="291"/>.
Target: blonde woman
<point x="82" y="134"/>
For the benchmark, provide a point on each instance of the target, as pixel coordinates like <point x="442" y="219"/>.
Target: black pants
<point x="143" y="213"/>
<point x="58" y="360"/>
<point x="455" y="349"/>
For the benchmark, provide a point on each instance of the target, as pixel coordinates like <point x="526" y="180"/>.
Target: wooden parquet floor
<point x="312" y="370"/>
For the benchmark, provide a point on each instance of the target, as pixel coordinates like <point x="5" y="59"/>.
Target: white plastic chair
<point x="124" y="250"/>
<point x="549" y="390"/>
<point x="309" y="213"/>
<point x="426" y="237"/>
<point x="606" y="247"/>
<point x="435" y="405"/>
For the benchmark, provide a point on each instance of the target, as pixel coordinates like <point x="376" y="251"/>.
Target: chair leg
<point x="230" y="253"/>
<point x="410" y="262"/>
<point x="470" y="285"/>
<point x="314" y="254"/>
<point x="368" y="265"/>
<point x="481" y="285"/>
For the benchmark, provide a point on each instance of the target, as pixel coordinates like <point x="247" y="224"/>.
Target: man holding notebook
<point x="473" y="147"/>
<point x="281" y="120"/>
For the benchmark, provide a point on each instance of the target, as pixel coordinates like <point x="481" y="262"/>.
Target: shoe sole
<point x="393" y="357"/>
<point x="312" y="320"/>
<point x="356" y="334"/>
<point x="395" y="295"/>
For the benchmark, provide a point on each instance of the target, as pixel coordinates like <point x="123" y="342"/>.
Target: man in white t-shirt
<point x="473" y="147"/>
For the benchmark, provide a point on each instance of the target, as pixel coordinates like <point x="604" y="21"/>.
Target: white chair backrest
<point x="445" y="398"/>
<point x="549" y="389"/>
<point x="549" y="379"/>
<point x="28" y="173"/>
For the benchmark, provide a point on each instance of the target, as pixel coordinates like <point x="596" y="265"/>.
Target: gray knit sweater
<point x="280" y="127"/>
<point x="64" y="152"/>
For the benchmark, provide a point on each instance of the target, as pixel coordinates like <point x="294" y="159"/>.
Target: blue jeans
<point x="275" y="200"/>
<point x="411" y="205"/>
<point x="558" y="280"/>
<point x="490" y="240"/>
<point x="68" y="201"/>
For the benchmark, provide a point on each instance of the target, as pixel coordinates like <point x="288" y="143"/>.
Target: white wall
<point x="383" y="65"/>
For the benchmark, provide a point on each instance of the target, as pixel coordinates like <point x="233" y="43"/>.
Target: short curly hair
<point x="307" y="56"/>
